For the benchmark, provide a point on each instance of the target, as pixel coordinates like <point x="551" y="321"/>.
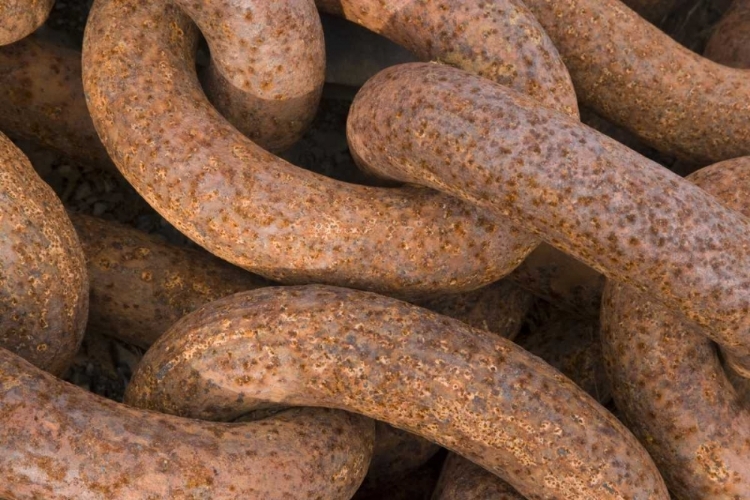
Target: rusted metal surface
<point x="249" y="207"/>
<point x="669" y="383"/>
<point x="500" y="40"/>
<point x="461" y="479"/>
<point x="508" y="170"/>
<point x="637" y="77"/>
<point x="140" y="286"/>
<point x="42" y="94"/>
<point x="41" y="91"/>
<point x="19" y="18"/>
<point x="561" y="280"/>
<point x="570" y="344"/>
<point x="547" y="172"/>
<point x="267" y="65"/>
<point x="499" y="308"/>
<point x="466" y="389"/>
<point x="41" y="99"/>
<point x="57" y="117"/>
<point x="43" y="284"/>
<point x="629" y="139"/>
<point x="730" y="42"/>
<point x="83" y="447"/>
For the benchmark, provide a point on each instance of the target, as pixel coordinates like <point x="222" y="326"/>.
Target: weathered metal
<point x="466" y="389"/>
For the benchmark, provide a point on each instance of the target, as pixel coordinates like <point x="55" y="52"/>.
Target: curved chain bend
<point x="225" y="194"/>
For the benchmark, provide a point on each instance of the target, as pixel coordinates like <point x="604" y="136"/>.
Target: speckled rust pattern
<point x="41" y="99"/>
<point x="584" y="193"/>
<point x="728" y="181"/>
<point x="730" y="42"/>
<point x="561" y="280"/>
<point x="461" y="479"/>
<point x="140" y="285"/>
<point x="58" y="441"/>
<point x="466" y="389"/>
<point x="500" y="40"/>
<point x="638" y="77"/>
<point x="43" y="284"/>
<point x="251" y="208"/>
<point x="499" y="307"/>
<point x="571" y="345"/>
<point x="669" y="383"/>
<point x="44" y="101"/>
<point x="19" y="18"/>
<point x="267" y="65"/>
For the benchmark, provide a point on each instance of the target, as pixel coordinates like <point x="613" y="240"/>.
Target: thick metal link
<point x="468" y="390"/>
<point x="669" y="382"/>
<point x="43" y="284"/>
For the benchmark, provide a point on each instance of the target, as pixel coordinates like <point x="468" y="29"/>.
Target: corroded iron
<point x="668" y="380"/>
<point x="571" y="345"/>
<point x="226" y="194"/>
<point x="500" y="40"/>
<point x="461" y="479"/>
<point x="499" y="307"/>
<point x="43" y="283"/>
<point x="140" y="285"/>
<point x="287" y="239"/>
<point x="638" y="77"/>
<point x="19" y="18"/>
<point x="508" y="170"/>
<point x="58" y="441"/>
<point x="41" y="99"/>
<point x="547" y="172"/>
<point x="466" y="389"/>
<point x="267" y="65"/>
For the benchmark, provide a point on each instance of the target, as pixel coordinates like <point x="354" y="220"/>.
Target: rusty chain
<point x="330" y="339"/>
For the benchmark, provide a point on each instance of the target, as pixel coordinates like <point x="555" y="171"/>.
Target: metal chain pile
<point x="568" y="318"/>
